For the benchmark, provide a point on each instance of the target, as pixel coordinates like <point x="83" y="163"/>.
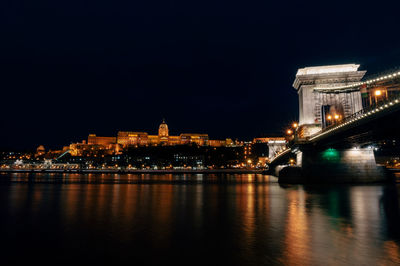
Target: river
<point x="195" y="219"/>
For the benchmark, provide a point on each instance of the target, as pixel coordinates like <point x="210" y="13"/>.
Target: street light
<point x="289" y="131"/>
<point x="336" y="117"/>
<point x="378" y="94"/>
<point x="295" y="125"/>
<point x="329" y="117"/>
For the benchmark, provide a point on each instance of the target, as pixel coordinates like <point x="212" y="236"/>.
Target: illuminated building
<point x="100" y="146"/>
<point x="217" y="143"/>
<point x="95" y="140"/>
<point x="266" y="140"/>
<point x="229" y="142"/>
<point x="247" y="152"/>
<point x="174" y="140"/>
<point x="220" y="143"/>
<point x="127" y="138"/>
<point x="40" y="151"/>
<point x="163" y="132"/>
<point x="199" y="139"/>
<point x="154" y="140"/>
<point x="262" y="161"/>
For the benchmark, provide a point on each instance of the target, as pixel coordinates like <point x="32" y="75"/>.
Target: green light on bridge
<point x="331" y="155"/>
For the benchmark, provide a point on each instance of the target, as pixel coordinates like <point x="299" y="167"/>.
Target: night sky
<point x="70" y="68"/>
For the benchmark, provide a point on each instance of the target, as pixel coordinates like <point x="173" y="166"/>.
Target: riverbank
<point x="136" y="171"/>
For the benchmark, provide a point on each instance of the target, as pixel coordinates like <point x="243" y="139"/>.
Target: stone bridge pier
<point x="344" y="165"/>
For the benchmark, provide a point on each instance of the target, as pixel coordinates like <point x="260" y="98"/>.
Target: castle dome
<point x="163" y="129"/>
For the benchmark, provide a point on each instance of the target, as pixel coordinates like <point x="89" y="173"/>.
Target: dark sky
<point x="69" y="68"/>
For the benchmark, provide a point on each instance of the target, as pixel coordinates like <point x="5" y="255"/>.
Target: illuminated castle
<point x="133" y="138"/>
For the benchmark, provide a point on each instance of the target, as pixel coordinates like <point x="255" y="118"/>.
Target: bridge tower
<point x="318" y="98"/>
<point x="344" y="151"/>
<point x="275" y="146"/>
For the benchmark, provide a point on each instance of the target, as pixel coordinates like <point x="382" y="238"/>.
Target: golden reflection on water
<point x="249" y="212"/>
<point x="297" y="234"/>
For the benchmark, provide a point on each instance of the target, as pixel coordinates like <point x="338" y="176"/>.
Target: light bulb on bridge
<point x="378" y="93"/>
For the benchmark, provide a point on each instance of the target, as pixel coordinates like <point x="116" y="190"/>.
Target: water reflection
<point x="297" y="234"/>
<point x="95" y="178"/>
<point x="202" y="219"/>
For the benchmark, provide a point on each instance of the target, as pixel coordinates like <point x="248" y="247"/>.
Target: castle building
<point x="217" y="143"/>
<point x="174" y="140"/>
<point x="95" y="140"/>
<point x="99" y="146"/>
<point x="199" y="139"/>
<point x="126" y="138"/>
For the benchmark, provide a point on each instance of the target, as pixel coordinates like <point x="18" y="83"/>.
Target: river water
<point x="242" y="219"/>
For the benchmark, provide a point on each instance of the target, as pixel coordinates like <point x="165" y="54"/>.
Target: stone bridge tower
<point x="320" y="97"/>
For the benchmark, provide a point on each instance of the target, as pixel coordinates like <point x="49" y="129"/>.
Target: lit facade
<point x="266" y="140"/>
<point x="105" y="141"/>
<point x="126" y="138"/>
<point x="100" y="146"/>
<point x="217" y="143"/>
<point x="174" y="140"/>
<point x="199" y="139"/>
<point x="163" y="132"/>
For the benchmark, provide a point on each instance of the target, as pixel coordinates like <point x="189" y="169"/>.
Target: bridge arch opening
<point x="331" y="114"/>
